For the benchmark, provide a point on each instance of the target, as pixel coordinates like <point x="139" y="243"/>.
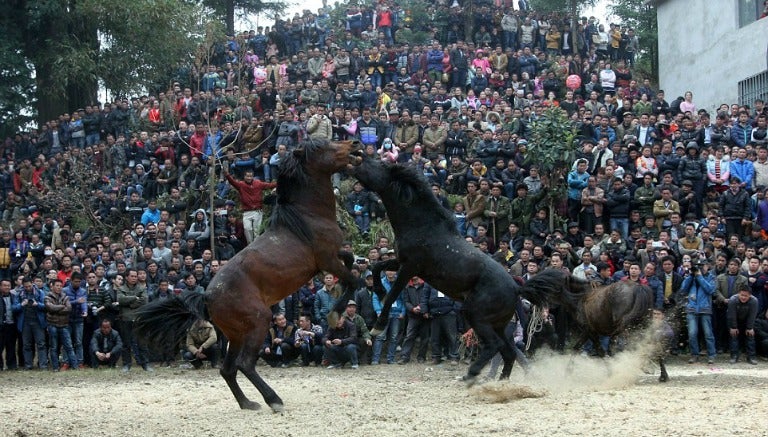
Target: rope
<point x="535" y="325"/>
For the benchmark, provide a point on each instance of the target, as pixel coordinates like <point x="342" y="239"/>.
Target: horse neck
<point x="319" y="192"/>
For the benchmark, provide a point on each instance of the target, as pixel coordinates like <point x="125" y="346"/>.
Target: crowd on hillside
<point x="662" y="193"/>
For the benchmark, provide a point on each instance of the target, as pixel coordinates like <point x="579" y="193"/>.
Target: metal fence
<point x="753" y="88"/>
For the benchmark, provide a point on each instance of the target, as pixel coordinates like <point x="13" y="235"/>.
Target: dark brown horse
<point x="429" y="246"/>
<point x="605" y="311"/>
<point x="302" y="239"/>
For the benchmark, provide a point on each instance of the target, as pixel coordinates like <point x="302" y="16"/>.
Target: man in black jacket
<point x="735" y="207"/>
<point x="742" y="312"/>
<point x="442" y="310"/>
<point x="341" y="344"/>
<point x="106" y="346"/>
<point x="418" y="326"/>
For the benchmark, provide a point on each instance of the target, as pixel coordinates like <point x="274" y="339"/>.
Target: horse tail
<point x="554" y="286"/>
<point x="164" y="323"/>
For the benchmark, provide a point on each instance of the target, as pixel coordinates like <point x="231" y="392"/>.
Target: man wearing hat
<point x="694" y="169"/>
<point x="364" y="340"/>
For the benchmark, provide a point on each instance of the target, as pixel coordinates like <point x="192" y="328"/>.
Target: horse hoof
<point x="663" y="378"/>
<point x="469" y="380"/>
<point x="375" y="332"/>
<point x="250" y="405"/>
<point x="277" y="407"/>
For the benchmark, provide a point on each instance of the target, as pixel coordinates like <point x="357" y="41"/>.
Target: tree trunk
<point x="50" y="103"/>
<point x="230" y="17"/>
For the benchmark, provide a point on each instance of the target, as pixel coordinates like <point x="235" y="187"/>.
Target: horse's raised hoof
<point x="250" y="405"/>
<point x="277" y="407"/>
<point x="469" y="380"/>
<point x="664" y="377"/>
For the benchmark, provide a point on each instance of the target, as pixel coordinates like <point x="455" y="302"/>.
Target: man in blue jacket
<point x="29" y="307"/>
<point x="78" y="297"/>
<point x="698" y="287"/>
<point x="396" y="315"/>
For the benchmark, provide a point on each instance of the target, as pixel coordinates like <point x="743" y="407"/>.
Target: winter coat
<point x="699" y="290"/>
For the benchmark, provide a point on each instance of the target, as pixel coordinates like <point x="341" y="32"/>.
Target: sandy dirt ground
<point x="614" y="398"/>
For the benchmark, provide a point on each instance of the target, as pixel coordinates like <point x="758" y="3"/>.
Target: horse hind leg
<point x="664" y="377"/>
<point x="508" y="352"/>
<point x="229" y="373"/>
<point x="246" y="361"/>
<point x="491" y="343"/>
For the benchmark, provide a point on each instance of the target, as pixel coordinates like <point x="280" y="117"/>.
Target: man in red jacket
<point x="251" y="197"/>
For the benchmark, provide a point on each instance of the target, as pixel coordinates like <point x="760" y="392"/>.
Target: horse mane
<point x="410" y="187"/>
<point x="292" y="177"/>
<point x="555" y="286"/>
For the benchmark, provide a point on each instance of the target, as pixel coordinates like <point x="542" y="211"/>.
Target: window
<point x="750" y="11"/>
<point x="753" y="88"/>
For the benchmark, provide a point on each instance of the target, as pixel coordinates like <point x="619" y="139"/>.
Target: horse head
<point x="328" y="157"/>
<point x="372" y="173"/>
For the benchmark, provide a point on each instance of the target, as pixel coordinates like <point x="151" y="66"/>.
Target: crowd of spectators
<point x="662" y="193"/>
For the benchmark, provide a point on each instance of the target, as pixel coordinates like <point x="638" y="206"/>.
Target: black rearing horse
<point x="429" y="246"/>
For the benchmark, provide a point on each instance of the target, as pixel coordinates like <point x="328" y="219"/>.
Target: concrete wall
<point x="703" y="50"/>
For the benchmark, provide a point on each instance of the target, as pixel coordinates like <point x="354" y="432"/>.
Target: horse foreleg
<point x="229" y="373"/>
<point x="341" y="270"/>
<point x="391" y="265"/>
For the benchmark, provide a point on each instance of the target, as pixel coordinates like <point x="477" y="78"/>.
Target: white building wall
<point x="703" y="50"/>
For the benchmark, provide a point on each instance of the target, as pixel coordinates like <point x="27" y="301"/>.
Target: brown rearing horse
<point x="608" y="310"/>
<point x="302" y="239"/>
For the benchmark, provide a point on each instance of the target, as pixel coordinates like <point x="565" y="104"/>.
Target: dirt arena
<point x="395" y="400"/>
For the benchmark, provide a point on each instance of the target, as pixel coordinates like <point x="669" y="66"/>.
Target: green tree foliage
<point x="65" y="48"/>
<point x="553" y="149"/>
<point x="565" y="6"/>
<point x="17" y="90"/>
<point x="641" y="16"/>
<point x="229" y="9"/>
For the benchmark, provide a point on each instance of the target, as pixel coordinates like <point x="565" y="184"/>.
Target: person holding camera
<point x="698" y="286"/>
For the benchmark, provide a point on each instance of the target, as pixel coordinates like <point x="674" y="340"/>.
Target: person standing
<point x="418" y="326"/>
<point x="736" y="208"/>
<point x="8" y="333"/>
<point x="78" y="298"/>
<point x="131" y="296"/>
<point x="742" y="312"/>
<point x="251" y="198"/>
<point x="31" y="322"/>
<point x="57" y="309"/>
<point x="441" y="309"/>
<point x="396" y="316"/>
<point x="698" y="285"/>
